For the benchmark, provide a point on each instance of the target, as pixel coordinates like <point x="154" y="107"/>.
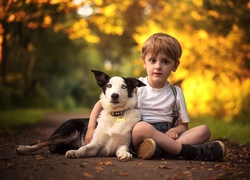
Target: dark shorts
<point x="162" y="126"/>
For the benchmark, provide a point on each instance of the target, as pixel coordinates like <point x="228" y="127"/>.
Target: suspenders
<point x="175" y="108"/>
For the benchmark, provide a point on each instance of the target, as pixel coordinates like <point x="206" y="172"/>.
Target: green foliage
<point x="57" y="73"/>
<point x="244" y="115"/>
<point x="233" y="131"/>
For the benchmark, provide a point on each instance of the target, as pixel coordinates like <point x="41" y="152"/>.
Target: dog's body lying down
<point x="69" y="135"/>
<point x="115" y="122"/>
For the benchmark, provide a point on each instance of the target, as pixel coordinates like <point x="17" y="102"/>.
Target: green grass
<point x="14" y="118"/>
<point x="10" y="119"/>
<point x="233" y="131"/>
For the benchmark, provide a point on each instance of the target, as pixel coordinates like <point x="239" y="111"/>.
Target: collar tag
<point x="120" y="119"/>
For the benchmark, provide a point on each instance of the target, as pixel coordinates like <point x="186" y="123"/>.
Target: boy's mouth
<point x="157" y="74"/>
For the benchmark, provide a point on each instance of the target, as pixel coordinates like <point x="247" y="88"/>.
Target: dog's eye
<point x="124" y="86"/>
<point x="109" y="86"/>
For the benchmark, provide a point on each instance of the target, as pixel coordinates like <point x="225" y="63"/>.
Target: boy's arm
<point x="92" y="122"/>
<point x="174" y="132"/>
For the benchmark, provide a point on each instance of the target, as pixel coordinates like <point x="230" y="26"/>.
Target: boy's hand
<point x="172" y="133"/>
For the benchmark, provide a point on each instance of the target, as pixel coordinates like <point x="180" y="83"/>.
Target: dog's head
<point x="117" y="91"/>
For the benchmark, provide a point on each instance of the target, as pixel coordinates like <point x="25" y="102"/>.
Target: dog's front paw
<point x="72" y="154"/>
<point x="21" y="150"/>
<point x="124" y="156"/>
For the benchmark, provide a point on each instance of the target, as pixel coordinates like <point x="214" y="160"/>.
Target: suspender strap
<point x="175" y="108"/>
<point x="136" y="104"/>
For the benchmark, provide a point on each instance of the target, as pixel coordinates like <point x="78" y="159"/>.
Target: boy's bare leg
<point x="196" y="135"/>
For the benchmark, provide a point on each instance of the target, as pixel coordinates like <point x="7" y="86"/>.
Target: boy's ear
<point x="101" y="78"/>
<point x="177" y="63"/>
<point x="144" y="65"/>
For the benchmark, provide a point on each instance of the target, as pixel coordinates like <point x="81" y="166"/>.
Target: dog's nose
<point x="114" y="96"/>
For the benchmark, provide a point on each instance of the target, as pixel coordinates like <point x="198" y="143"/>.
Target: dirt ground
<point x="43" y="165"/>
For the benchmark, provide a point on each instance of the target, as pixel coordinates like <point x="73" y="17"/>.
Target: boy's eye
<point x="152" y="60"/>
<point x="165" y="62"/>
<point x="124" y="86"/>
<point x="109" y="86"/>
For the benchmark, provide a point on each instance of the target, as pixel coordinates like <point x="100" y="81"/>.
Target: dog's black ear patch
<point x="101" y="78"/>
<point x="132" y="83"/>
<point x="138" y="83"/>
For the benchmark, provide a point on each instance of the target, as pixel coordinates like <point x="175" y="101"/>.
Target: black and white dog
<point x="112" y="135"/>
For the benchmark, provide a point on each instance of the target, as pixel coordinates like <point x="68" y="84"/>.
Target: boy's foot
<point x="211" y="151"/>
<point x="148" y="149"/>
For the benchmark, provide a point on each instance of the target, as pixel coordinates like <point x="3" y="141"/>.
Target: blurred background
<point x="48" y="47"/>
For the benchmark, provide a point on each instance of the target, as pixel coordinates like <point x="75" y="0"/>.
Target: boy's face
<point x="159" y="68"/>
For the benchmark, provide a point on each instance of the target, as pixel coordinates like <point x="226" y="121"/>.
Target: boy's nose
<point x="158" y="65"/>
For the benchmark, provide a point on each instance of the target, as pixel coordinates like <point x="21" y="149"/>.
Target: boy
<point x="154" y="134"/>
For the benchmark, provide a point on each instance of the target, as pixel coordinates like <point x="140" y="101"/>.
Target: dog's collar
<point x="117" y="113"/>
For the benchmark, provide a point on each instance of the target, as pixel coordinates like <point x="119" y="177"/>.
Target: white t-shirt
<point x="156" y="105"/>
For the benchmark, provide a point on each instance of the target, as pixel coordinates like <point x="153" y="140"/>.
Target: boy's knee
<point x="206" y="131"/>
<point x="141" y="129"/>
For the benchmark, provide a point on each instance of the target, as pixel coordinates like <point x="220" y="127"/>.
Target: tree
<point x="24" y="25"/>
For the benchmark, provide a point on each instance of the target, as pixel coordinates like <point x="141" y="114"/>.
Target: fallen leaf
<point x="106" y="163"/>
<point x="218" y="165"/>
<point x="83" y="164"/>
<point x="88" y="175"/>
<point x="186" y="172"/>
<point x="9" y="165"/>
<point x="164" y="162"/>
<point x="98" y="168"/>
<point x="154" y="167"/>
<point x="39" y="157"/>
<point x="164" y="167"/>
<point x="241" y="172"/>
<point x="138" y="163"/>
<point x="123" y="173"/>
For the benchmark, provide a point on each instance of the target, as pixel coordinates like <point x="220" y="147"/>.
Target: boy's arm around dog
<point x="93" y="122"/>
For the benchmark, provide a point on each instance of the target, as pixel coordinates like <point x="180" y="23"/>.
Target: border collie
<point x="112" y="135"/>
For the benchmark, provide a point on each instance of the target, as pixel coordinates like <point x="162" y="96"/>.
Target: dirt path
<point x="43" y="165"/>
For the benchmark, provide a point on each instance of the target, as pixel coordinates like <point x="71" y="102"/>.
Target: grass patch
<point x="233" y="131"/>
<point x="10" y="119"/>
<point x="15" y="118"/>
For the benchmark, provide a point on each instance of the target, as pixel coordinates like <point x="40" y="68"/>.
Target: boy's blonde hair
<point x="163" y="43"/>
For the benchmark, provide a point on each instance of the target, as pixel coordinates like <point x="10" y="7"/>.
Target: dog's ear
<point x="132" y="83"/>
<point x="135" y="82"/>
<point x="101" y="78"/>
